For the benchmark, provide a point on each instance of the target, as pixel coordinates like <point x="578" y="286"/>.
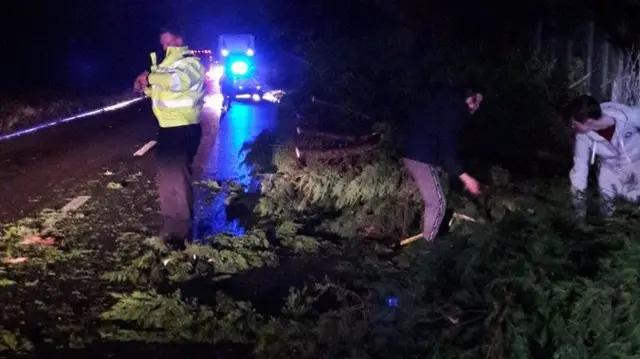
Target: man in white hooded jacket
<point x="609" y="131"/>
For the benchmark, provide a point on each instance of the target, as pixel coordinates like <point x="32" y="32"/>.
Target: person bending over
<point x="431" y="140"/>
<point x="608" y="131"/>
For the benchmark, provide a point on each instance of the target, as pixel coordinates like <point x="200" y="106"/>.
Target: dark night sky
<point x="102" y="45"/>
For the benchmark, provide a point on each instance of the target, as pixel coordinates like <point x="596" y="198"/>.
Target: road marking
<point x="75" y="203"/>
<point x="144" y="149"/>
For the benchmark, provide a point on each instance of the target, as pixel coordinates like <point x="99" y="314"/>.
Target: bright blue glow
<point x="392" y="302"/>
<point x="239" y="67"/>
<point x="225" y="162"/>
<point x="250" y="52"/>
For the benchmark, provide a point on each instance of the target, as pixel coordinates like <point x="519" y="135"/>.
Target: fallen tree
<point x="517" y="277"/>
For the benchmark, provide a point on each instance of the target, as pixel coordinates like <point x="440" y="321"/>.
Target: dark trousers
<point x="435" y="205"/>
<point x="175" y="150"/>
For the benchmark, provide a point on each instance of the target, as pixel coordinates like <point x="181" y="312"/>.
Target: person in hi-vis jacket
<point x="609" y="131"/>
<point x="176" y="89"/>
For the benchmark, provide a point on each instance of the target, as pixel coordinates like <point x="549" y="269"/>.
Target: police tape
<point x="99" y="111"/>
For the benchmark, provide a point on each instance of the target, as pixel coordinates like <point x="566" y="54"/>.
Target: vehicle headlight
<point x="239" y="68"/>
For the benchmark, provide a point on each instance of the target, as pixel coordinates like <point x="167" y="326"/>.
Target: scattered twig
<point x="582" y="79"/>
<point x="461" y="216"/>
<point x="337" y="136"/>
<point x="495" y="333"/>
<point x="464" y="217"/>
<point x="411" y="239"/>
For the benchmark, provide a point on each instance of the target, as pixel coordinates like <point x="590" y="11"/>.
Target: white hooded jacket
<point x="621" y="151"/>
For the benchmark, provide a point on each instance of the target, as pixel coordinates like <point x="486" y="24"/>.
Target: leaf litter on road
<point x="57" y="261"/>
<point x="37" y="240"/>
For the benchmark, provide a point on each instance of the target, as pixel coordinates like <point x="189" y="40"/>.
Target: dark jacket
<point x="432" y="130"/>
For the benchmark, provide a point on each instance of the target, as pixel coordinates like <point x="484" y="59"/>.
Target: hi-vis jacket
<point x="177" y="87"/>
<point x="618" y="157"/>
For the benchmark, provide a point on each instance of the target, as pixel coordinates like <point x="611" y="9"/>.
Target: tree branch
<point x="337" y="136"/>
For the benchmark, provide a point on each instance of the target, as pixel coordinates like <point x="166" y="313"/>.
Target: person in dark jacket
<point x="430" y="141"/>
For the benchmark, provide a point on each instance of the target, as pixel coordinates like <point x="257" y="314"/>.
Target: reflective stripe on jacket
<point x="177" y="88"/>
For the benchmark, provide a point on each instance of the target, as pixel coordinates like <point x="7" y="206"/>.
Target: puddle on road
<point x="220" y="159"/>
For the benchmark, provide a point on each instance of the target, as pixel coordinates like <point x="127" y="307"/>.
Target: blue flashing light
<point x="392" y="302"/>
<point x="239" y="67"/>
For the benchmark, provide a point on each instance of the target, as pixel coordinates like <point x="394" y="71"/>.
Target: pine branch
<point x="319" y="155"/>
<point x="336" y="136"/>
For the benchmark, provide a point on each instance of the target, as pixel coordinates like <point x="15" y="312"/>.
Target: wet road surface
<point x="224" y="162"/>
<point x="35" y="166"/>
<point x="60" y="158"/>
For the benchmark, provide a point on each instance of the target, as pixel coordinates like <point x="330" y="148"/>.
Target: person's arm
<point x="622" y="112"/>
<point x="635" y="117"/>
<point x="178" y="79"/>
<point x="580" y="173"/>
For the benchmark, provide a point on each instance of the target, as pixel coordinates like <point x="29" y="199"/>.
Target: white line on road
<point x="75" y="203"/>
<point x="144" y="149"/>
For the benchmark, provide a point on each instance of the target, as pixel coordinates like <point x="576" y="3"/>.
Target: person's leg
<point x="610" y="186"/>
<point x="173" y="180"/>
<point x="428" y="183"/>
<point x="194" y="138"/>
<point x="630" y="182"/>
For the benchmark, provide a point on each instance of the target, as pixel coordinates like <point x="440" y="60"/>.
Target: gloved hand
<point x="141" y="82"/>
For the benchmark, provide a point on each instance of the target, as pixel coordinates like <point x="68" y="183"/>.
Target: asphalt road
<point x="34" y="166"/>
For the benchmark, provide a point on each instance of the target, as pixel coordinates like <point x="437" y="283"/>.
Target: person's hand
<point x="141" y="82"/>
<point x="137" y="86"/>
<point x="143" y="77"/>
<point x="579" y="127"/>
<point x="470" y="184"/>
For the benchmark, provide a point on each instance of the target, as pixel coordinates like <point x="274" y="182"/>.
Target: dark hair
<point x="172" y="29"/>
<point x="583" y="108"/>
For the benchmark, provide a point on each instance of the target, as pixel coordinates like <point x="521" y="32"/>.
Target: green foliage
<point x="172" y="319"/>
<point x="11" y="342"/>
<point x="533" y="284"/>
<point x="155" y="262"/>
<point x="287" y="232"/>
<point x="378" y="189"/>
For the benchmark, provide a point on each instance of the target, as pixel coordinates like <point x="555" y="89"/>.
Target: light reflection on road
<point x="220" y="159"/>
